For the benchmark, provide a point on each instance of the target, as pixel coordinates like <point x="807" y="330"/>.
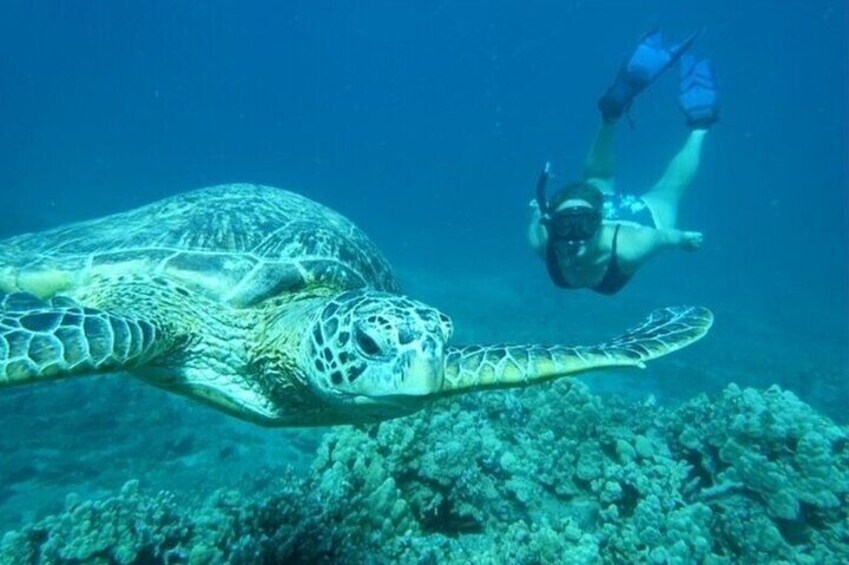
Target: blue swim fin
<point x="648" y="61"/>
<point x="697" y="97"/>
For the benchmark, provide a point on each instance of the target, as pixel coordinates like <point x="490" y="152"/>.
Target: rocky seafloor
<point x="551" y="474"/>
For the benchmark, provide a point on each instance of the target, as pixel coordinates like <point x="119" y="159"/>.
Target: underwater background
<point x="426" y="123"/>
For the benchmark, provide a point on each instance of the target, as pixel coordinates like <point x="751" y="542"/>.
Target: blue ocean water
<point x="427" y="123"/>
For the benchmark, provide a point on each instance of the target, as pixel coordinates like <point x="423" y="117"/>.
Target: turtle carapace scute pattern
<point x="239" y="244"/>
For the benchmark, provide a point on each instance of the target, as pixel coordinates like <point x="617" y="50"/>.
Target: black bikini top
<point x="613" y="280"/>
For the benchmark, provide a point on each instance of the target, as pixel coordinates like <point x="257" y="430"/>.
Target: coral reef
<point x="551" y="474"/>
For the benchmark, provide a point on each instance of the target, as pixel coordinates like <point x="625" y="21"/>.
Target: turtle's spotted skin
<point x="266" y="305"/>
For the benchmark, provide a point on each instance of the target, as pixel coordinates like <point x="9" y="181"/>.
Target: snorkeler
<point x="589" y="234"/>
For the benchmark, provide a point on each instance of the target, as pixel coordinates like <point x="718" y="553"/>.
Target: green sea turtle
<point x="266" y="305"/>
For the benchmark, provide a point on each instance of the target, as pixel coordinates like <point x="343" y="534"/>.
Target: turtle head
<point x="376" y="353"/>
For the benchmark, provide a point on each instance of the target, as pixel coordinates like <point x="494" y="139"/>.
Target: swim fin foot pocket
<point x="697" y="93"/>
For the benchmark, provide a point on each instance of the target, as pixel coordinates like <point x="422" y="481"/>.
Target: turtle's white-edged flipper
<point x="503" y="366"/>
<point x="47" y="340"/>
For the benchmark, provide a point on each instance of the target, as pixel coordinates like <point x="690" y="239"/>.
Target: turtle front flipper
<point x="47" y="340"/>
<point x="503" y="366"/>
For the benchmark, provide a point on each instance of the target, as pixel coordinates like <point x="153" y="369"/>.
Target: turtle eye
<point x="366" y="344"/>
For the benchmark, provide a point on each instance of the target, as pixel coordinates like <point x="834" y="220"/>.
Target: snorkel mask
<point x="573" y="225"/>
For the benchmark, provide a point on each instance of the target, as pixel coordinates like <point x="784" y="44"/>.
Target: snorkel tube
<point x="551" y="262"/>
<point x="542" y="201"/>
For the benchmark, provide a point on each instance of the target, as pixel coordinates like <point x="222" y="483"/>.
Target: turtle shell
<point x="236" y="243"/>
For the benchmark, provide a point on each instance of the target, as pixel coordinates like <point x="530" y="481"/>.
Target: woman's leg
<point x="665" y="195"/>
<point x="599" y="166"/>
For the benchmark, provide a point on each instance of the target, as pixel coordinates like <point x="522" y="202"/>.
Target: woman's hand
<point x="691" y="240"/>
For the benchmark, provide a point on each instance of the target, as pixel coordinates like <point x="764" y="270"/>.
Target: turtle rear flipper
<point x="46" y="340"/>
<point x="664" y="331"/>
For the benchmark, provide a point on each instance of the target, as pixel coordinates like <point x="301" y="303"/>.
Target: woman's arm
<point x="679" y="239"/>
<point x="637" y="244"/>
<point x="537" y="236"/>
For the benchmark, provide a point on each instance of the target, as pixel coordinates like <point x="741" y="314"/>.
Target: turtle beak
<point x="423" y="376"/>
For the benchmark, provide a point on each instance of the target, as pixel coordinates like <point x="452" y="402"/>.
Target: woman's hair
<point x="580" y="190"/>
